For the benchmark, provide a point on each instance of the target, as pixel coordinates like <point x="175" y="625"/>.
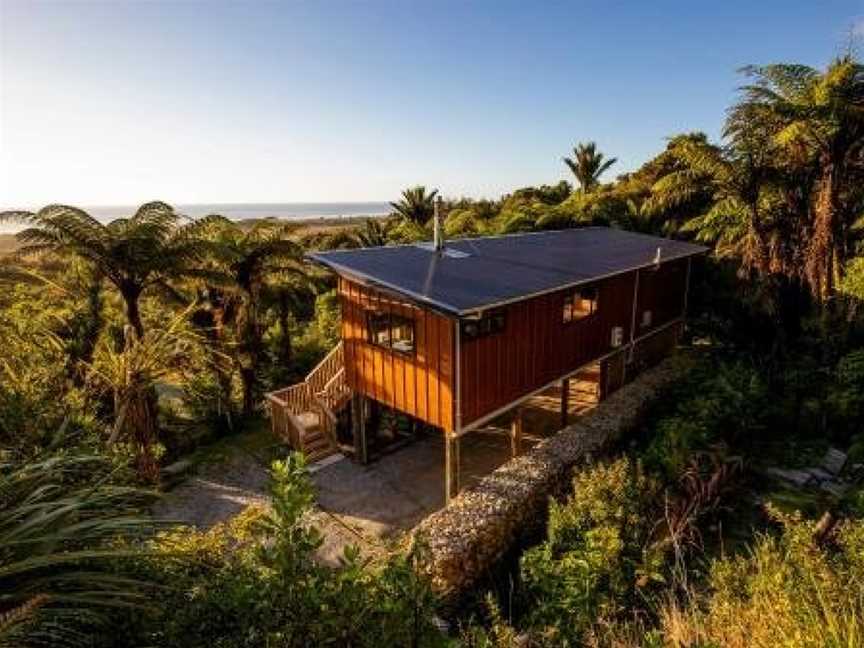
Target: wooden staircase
<point x="304" y="415"/>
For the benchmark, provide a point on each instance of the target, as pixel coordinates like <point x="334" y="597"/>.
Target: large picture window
<point x="579" y="304"/>
<point x="391" y="331"/>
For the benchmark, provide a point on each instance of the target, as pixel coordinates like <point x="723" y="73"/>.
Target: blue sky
<point x="119" y="103"/>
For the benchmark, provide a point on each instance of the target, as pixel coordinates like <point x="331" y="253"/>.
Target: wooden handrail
<point x="326" y="369"/>
<point x="323" y="391"/>
<point x="338" y="377"/>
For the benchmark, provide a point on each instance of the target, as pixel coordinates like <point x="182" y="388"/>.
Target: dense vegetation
<point x="129" y="344"/>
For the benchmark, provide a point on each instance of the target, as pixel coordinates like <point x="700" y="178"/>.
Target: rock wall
<point x="472" y="534"/>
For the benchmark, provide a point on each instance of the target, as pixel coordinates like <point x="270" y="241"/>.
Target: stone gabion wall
<point x="472" y="534"/>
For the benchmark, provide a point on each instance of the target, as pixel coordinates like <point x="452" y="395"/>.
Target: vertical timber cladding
<point x="418" y="384"/>
<point x="536" y="347"/>
<point x="661" y="290"/>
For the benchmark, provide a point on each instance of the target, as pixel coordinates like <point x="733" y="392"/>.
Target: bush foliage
<point x="254" y="582"/>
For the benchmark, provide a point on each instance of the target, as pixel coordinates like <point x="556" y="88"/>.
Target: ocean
<point x="245" y="211"/>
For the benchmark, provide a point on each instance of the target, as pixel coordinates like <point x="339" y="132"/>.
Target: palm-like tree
<point x="146" y="250"/>
<point x="243" y="258"/>
<point x="740" y="217"/>
<point x="373" y="233"/>
<point x="131" y="376"/>
<point x="416" y="205"/>
<point x="588" y="164"/>
<point x="818" y="118"/>
<point x="285" y="294"/>
<point x="59" y="558"/>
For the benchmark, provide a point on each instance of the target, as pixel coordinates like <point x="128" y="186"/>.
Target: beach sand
<point x="7" y="243"/>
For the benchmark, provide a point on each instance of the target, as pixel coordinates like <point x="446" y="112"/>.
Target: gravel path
<point x="217" y="491"/>
<point x="221" y="489"/>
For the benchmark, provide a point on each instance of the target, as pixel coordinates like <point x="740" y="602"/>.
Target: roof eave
<point x="453" y="311"/>
<point x="368" y="280"/>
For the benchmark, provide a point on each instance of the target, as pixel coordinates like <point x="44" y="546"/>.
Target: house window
<point x="402" y="334"/>
<point x="579" y="304"/>
<point x="487" y="325"/>
<point x="646" y="318"/>
<point x="391" y="331"/>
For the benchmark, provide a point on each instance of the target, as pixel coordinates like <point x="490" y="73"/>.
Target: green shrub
<point x="595" y="553"/>
<point x="721" y="403"/>
<point x="846" y="396"/>
<point x="61" y="516"/>
<point x="463" y="223"/>
<point x="38" y="395"/>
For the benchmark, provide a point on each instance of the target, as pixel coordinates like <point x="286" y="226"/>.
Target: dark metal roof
<point x="494" y="270"/>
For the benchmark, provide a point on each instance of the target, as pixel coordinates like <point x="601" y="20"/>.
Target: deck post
<point x="358" y="428"/>
<point x="516" y="433"/>
<point x="451" y="467"/>
<point x="565" y="401"/>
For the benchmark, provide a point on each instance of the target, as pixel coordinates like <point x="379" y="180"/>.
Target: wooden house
<point x="453" y="335"/>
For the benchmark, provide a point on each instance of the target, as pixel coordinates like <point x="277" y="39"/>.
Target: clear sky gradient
<point x="119" y="103"/>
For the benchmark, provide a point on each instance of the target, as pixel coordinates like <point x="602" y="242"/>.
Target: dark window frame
<point x="492" y="323"/>
<point x="392" y="321"/>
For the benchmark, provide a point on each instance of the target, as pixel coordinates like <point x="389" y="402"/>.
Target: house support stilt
<point x="451" y="467"/>
<point x="516" y="433"/>
<point x="565" y="401"/>
<point x="358" y="424"/>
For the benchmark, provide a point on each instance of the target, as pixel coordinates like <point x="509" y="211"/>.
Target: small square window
<point x="402" y="335"/>
<point x="379" y="329"/>
<point x="471" y="329"/>
<point x="646" y="318"/>
<point x="489" y="324"/>
<point x="579" y="304"/>
<point x="497" y="320"/>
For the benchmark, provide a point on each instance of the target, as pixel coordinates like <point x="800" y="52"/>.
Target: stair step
<point x="318" y="455"/>
<point x="312" y="435"/>
<point x="316" y="443"/>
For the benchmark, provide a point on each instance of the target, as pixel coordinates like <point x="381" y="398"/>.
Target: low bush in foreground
<point x="61" y="570"/>
<point x="255" y="582"/>
<point x="597" y="556"/>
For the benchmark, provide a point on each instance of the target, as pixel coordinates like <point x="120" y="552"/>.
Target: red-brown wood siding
<point x="662" y="292"/>
<point x="420" y="384"/>
<point x="537" y="347"/>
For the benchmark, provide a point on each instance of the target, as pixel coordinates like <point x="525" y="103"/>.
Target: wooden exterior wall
<point x="662" y="292"/>
<point x="420" y="384"/>
<point x="537" y="347"/>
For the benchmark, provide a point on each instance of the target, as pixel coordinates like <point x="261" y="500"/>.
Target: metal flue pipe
<point x="438" y="229"/>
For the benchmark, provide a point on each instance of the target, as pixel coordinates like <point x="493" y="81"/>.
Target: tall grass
<point x="791" y="591"/>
